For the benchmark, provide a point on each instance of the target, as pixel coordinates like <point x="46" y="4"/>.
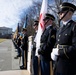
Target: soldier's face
<point x="35" y="27"/>
<point x="46" y="22"/>
<point x="62" y="14"/>
<point x="24" y="32"/>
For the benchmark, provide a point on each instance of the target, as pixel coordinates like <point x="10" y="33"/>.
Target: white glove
<point x="55" y="51"/>
<point x="54" y="54"/>
<point x="36" y="54"/>
<point x="53" y="57"/>
<point x="31" y="46"/>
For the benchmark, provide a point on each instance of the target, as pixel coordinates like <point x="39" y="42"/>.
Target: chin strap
<point x="63" y="16"/>
<point x="46" y="22"/>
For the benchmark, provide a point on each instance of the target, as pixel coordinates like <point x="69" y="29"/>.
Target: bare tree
<point x="34" y="11"/>
<point x="55" y="7"/>
<point x="33" y="14"/>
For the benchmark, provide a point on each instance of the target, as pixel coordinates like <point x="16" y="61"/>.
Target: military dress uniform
<point x="66" y="44"/>
<point x="34" y="43"/>
<point x="48" y="39"/>
<point x="18" y="46"/>
<point x="34" y="58"/>
<point x="66" y="41"/>
<point x="24" y="46"/>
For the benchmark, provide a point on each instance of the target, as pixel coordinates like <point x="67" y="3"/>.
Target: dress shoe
<point x="17" y="56"/>
<point x="22" y="67"/>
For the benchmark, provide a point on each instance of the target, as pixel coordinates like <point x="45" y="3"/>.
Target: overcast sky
<point x="10" y="11"/>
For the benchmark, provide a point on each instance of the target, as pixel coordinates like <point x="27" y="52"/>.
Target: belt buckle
<point x="62" y="46"/>
<point x="58" y="46"/>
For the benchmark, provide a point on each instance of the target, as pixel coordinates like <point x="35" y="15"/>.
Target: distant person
<point x="18" y="46"/>
<point x="24" y="46"/>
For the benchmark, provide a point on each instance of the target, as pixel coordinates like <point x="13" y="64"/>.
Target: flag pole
<point x="40" y="30"/>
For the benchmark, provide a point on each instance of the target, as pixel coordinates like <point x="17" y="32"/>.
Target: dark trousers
<point x="63" y="74"/>
<point x="58" y="74"/>
<point x="35" y="65"/>
<point x="19" y="51"/>
<point x="33" y="56"/>
<point x="24" y="58"/>
<point x="45" y="67"/>
<point x="15" y="45"/>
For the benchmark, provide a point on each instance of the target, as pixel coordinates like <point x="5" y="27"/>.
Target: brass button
<point x="59" y="35"/>
<point x="58" y="39"/>
<point x="65" y="34"/>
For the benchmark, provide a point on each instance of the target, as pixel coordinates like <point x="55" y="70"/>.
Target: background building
<point x="5" y="32"/>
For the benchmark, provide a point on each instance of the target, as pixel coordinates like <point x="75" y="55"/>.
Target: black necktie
<point x="63" y="27"/>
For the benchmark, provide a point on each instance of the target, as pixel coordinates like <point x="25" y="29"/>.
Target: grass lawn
<point x="1" y="40"/>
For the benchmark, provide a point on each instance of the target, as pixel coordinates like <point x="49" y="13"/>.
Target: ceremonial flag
<point x="41" y="24"/>
<point x="17" y="30"/>
<point x="25" y="23"/>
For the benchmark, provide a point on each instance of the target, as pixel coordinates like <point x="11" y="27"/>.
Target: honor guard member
<point x="65" y="53"/>
<point x="24" y="46"/>
<point x="48" y="39"/>
<point x="18" y="46"/>
<point x="34" y="60"/>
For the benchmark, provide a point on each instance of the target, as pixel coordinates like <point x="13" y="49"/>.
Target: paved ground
<point x="7" y="54"/>
<point x="15" y="72"/>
